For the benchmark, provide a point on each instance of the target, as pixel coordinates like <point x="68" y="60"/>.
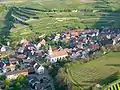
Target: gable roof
<point x="43" y="42"/>
<point x="13" y="59"/>
<point x="24" y="41"/>
<point x="57" y="53"/>
<point x="20" y="56"/>
<point x="24" y="71"/>
<point x="10" y="66"/>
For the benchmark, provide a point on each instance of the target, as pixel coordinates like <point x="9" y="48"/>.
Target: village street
<point x="48" y="80"/>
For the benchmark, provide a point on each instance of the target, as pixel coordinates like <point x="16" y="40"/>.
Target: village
<point x="30" y="56"/>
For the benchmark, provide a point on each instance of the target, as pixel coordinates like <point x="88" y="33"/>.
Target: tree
<point x="2" y="77"/>
<point x="6" y="83"/>
<point x="22" y="80"/>
<point x="62" y="80"/>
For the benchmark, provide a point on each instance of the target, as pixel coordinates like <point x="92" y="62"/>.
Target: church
<point x="54" y="55"/>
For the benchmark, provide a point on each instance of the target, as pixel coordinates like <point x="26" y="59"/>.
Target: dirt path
<point x="86" y="1"/>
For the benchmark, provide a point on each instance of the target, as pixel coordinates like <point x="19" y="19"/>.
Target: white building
<point x="8" y="43"/>
<point x="116" y="40"/>
<point x="3" y="49"/>
<point x="38" y="46"/>
<point x="56" y="54"/>
<point x="39" y="68"/>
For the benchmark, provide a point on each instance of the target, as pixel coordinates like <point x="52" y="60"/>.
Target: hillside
<point x="94" y="72"/>
<point x="27" y="18"/>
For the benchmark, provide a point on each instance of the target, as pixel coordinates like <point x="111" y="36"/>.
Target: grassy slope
<point x="49" y="22"/>
<point x="75" y="19"/>
<point x="95" y="71"/>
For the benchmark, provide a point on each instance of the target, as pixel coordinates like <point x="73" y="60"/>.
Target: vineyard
<point x="99" y="71"/>
<point x="31" y="17"/>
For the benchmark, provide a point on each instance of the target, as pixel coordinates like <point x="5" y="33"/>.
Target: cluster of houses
<point x="23" y="62"/>
<point x="81" y="43"/>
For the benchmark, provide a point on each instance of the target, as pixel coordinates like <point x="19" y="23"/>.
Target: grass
<point x="93" y="72"/>
<point x="99" y="13"/>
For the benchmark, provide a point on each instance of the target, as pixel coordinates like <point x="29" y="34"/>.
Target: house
<point x="116" y="40"/>
<point x="11" y="67"/>
<point x="39" y="68"/>
<point x="43" y="42"/>
<point x="24" y="42"/>
<point x="20" y="56"/>
<point x="20" y="50"/>
<point x="38" y="46"/>
<point x="75" y="32"/>
<point x="57" y="37"/>
<point x="53" y="56"/>
<point x="8" y="43"/>
<point x="107" y="42"/>
<point x="26" y="61"/>
<point x="13" y="60"/>
<point x="14" y="74"/>
<point x="3" y="49"/>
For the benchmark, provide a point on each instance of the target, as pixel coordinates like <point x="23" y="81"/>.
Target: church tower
<point x="50" y="52"/>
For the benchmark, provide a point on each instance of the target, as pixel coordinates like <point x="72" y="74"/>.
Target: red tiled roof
<point x="11" y="66"/>
<point x="95" y="46"/>
<point x="77" y="32"/>
<point x="57" y="53"/>
<point x="25" y="71"/>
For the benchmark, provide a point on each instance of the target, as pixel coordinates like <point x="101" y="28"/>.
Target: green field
<point x="93" y="72"/>
<point x="59" y="15"/>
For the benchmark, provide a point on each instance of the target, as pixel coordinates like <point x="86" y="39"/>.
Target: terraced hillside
<point x="114" y="86"/>
<point x="46" y="16"/>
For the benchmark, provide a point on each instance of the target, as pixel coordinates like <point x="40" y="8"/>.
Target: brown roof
<point x="5" y="54"/>
<point x="25" y="71"/>
<point x="24" y="41"/>
<point x="43" y="42"/>
<point x="26" y="60"/>
<point x="13" y="59"/>
<point x="11" y="66"/>
<point x="75" y="32"/>
<point x="21" y="56"/>
<point x="57" y="53"/>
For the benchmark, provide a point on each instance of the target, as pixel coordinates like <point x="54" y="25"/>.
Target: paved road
<point x="45" y="74"/>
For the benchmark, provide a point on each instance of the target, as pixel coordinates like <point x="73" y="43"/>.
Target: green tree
<point x="22" y="80"/>
<point x="2" y="77"/>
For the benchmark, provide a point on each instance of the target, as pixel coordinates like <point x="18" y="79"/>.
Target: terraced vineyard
<point x="114" y="86"/>
<point x="46" y="16"/>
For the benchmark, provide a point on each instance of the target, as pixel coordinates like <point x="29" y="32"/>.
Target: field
<point x="59" y="15"/>
<point x="95" y="71"/>
<point x="11" y="1"/>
